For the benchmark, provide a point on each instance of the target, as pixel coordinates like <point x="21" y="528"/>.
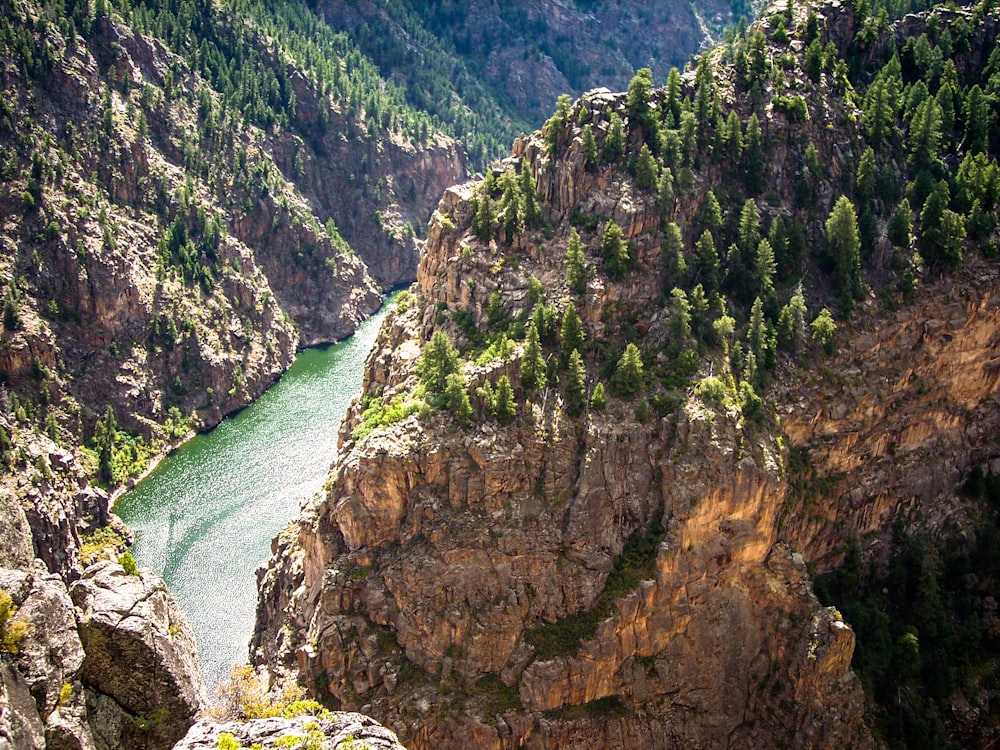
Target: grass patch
<point x="378" y="414"/>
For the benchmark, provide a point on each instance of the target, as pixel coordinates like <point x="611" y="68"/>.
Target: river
<point x="205" y="517"/>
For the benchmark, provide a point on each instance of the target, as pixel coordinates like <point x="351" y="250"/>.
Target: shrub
<point x="129" y="564"/>
<point x="11" y="632"/>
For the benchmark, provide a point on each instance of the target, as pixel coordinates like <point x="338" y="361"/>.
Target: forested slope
<point x="688" y="347"/>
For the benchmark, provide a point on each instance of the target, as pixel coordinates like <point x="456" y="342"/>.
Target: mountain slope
<point x="575" y="505"/>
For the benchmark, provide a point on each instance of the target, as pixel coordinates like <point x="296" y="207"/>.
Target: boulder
<point x="140" y="668"/>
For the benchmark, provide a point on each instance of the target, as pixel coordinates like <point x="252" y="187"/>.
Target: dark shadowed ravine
<point x="205" y="517"/>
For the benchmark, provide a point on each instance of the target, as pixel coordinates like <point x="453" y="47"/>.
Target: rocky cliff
<point x="600" y="532"/>
<point x="168" y="240"/>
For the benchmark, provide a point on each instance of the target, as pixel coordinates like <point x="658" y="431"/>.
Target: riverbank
<point x="205" y="514"/>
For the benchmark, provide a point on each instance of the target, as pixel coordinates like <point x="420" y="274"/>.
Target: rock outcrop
<point x="633" y="570"/>
<point x="335" y="731"/>
<point x="107" y="665"/>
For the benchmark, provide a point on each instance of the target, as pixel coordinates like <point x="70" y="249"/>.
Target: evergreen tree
<point x="764" y="268"/>
<point x="680" y="313"/>
<point x="529" y="195"/>
<point x="557" y="125"/>
<point x="504" y="405"/>
<point x="438" y="360"/>
<point x="637" y="107"/>
<point x="532" y="362"/>
<point x="570" y="334"/>
<point x="823" y="330"/>
<point x="757" y="334"/>
<point x="899" y="226"/>
<point x="646" y="169"/>
<point x="672" y="258"/>
<point x="598" y="402"/>
<point x="628" y="378"/>
<point x="672" y="103"/>
<point x="616" y="254"/>
<point x="706" y="261"/>
<point x="614" y="142"/>
<point x="942" y="231"/>
<point x="576" y="384"/>
<point x="844" y="248"/>
<point x="106" y="443"/>
<point x="576" y="269"/>
<point x="753" y="156"/>
<point x="456" y="398"/>
<point x="710" y="213"/>
<point x="977" y="120"/>
<point x="748" y="232"/>
<point x="923" y="141"/>
<point x="792" y="323"/>
<point x="589" y="148"/>
<point x="665" y="192"/>
<point x="864" y="184"/>
<point x="734" y="140"/>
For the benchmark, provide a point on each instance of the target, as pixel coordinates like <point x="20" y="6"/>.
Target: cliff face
<point x="632" y="569"/>
<point x="897" y="422"/>
<point x="163" y="253"/>
<point x="525" y="56"/>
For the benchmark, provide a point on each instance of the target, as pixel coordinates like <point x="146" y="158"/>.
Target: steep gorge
<point x="639" y="571"/>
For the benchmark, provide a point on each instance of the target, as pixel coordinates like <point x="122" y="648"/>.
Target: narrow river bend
<point x="205" y="517"/>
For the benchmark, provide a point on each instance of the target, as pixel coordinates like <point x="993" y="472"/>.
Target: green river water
<point x="205" y="517"/>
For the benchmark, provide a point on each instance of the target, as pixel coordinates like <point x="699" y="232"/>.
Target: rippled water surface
<point x="205" y="517"/>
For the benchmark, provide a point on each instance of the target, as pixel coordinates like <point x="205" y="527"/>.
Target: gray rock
<point x="334" y="731"/>
<point x="140" y="667"/>
<point x="20" y="725"/>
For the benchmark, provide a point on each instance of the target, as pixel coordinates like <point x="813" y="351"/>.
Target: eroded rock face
<point x="112" y="667"/>
<point x="140" y="666"/>
<point x="417" y="585"/>
<point x="332" y="732"/>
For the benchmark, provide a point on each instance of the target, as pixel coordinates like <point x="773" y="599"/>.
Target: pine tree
<point x="864" y="184"/>
<point x="844" y="247"/>
<point x="792" y="323"/>
<point x="589" y="148"/>
<point x="598" y="402"/>
<point x="438" y="360"/>
<point x="576" y="384"/>
<point x="900" y="227"/>
<point x="576" y="269"/>
<point x="570" y="334"/>
<point x="504" y="405"/>
<point x="665" y="192"/>
<point x="672" y="104"/>
<point x="637" y="104"/>
<point x="671" y="256"/>
<point x="710" y="213"/>
<point x="532" y="362"/>
<point x="706" y="260"/>
<point x="628" y="378"/>
<point x="748" y="231"/>
<point x="456" y="398"/>
<point x="616" y="254"/>
<point x="753" y="156"/>
<point x="680" y="313"/>
<point x="646" y="169"/>
<point x="529" y="197"/>
<point x="106" y="443"/>
<point x="977" y="120"/>
<point x="823" y="330"/>
<point x="614" y="142"/>
<point x="764" y="268"/>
